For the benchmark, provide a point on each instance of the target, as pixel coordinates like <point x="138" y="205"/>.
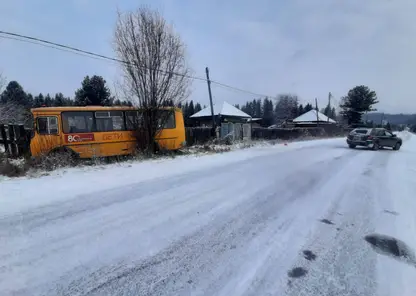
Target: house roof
<point x="223" y="109"/>
<point x="310" y="116"/>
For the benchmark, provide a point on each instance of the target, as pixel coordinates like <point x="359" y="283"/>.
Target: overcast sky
<point x="306" y="47"/>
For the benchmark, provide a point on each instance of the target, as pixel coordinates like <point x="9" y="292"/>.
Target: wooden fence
<point x="15" y="140"/>
<point x="201" y="135"/>
<point x="198" y="135"/>
<point x="294" y="133"/>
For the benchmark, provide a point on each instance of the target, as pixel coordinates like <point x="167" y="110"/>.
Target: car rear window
<point x="360" y="131"/>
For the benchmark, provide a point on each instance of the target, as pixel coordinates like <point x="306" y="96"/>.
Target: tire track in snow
<point x="187" y="262"/>
<point x="345" y="264"/>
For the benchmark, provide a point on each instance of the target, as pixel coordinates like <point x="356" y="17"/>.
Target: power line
<point x="239" y="89"/>
<point x="50" y="46"/>
<point x="89" y="53"/>
<point x="85" y="53"/>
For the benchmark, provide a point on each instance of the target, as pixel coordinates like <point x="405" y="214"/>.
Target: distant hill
<point x="392" y="118"/>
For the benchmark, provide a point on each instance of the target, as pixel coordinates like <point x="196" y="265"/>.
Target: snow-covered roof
<point x="310" y="116"/>
<point x="223" y="109"/>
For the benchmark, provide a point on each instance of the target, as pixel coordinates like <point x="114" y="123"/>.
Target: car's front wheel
<point x="376" y="146"/>
<point x="352" y="146"/>
<point x="397" y="146"/>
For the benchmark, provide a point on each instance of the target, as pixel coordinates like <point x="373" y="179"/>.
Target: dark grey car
<point x="373" y="138"/>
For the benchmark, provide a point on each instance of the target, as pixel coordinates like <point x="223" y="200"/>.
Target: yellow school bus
<point x="96" y="131"/>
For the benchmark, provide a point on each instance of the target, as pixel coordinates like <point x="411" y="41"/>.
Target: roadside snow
<point x="18" y="193"/>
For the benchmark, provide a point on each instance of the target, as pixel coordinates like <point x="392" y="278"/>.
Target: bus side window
<point x="134" y="120"/>
<point x="167" y="118"/>
<point x="47" y="125"/>
<point x="109" y="121"/>
<point x="78" y="122"/>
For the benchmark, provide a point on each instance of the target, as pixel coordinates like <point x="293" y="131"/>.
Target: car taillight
<point x="369" y="137"/>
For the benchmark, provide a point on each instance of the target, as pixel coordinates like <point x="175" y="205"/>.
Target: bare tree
<point x="154" y="67"/>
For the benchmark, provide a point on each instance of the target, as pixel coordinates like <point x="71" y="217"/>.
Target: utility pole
<point x="210" y="99"/>
<point x="329" y="105"/>
<point x="316" y="109"/>
<point x="382" y="119"/>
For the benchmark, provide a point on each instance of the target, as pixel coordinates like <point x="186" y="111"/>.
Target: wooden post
<point x="4" y="138"/>
<point x="329" y="104"/>
<point x="23" y="141"/>
<point x="12" y="137"/>
<point x="210" y="100"/>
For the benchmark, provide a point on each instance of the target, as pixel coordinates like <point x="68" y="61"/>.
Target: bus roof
<point x="89" y="108"/>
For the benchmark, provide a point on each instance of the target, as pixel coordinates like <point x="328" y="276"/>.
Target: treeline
<point x="189" y="108"/>
<point x="15" y="102"/>
<point x="271" y="111"/>
<point x="285" y="107"/>
<point x="93" y="91"/>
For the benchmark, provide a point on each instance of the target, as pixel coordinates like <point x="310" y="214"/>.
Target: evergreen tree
<point x="198" y="107"/>
<point x="15" y="94"/>
<point x="308" y="107"/>
<point x="48" y="100"/>
<point x="327" y="111"/>
<point x="191" y="108"/>
<point x="250" y="108"/>
<point x="30" y="100"/>
<point x="244" y="108"/>
<point x="257" y="108"/>
<point x="59" y="100"/>
<point x="301" y="110"/>
<point x="286" y="107"/>
<point x="268" y="116"/>
<point x="185" y="110"/>
<point x="333" y="113"/>
<point x="39" y="101"/>
<point x="93" y="91"/>
<point x="359" y="100"/>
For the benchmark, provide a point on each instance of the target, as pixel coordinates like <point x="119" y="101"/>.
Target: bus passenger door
<point x="48" y="133"/>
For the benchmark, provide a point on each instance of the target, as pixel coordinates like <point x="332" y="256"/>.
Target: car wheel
<point x="376" y="146"/>
<point x="397" y="146"/>
<point x="352" y="146"/>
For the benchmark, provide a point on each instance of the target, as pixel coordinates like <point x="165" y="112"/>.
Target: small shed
<point x="224" y="112"/>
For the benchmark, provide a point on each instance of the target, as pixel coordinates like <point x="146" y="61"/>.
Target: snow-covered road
<point x="302" y="219"/>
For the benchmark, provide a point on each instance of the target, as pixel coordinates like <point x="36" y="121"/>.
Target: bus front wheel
<point x="61" y="157"/>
